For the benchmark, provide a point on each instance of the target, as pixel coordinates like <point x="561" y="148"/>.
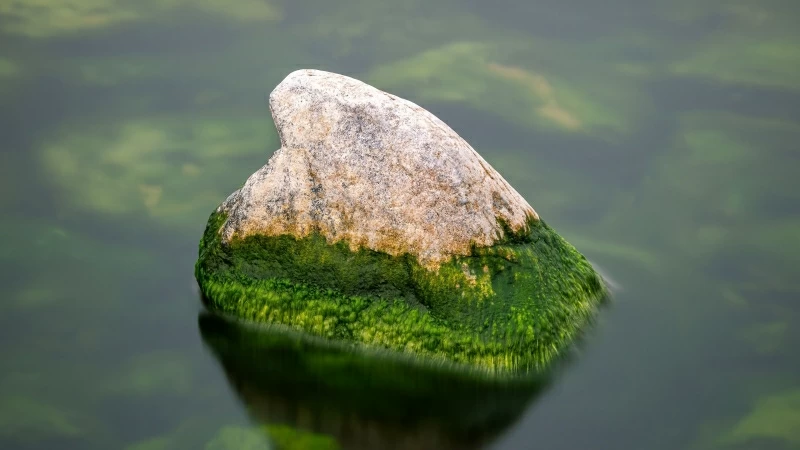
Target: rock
<point x="375" y="223"/>
<point x="365" y="167"/>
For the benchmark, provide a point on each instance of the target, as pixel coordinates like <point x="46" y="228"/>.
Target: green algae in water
<point x="275" y="437"/>
<point x="46" y="19"/>
<point x="240" y="438"/>
<point x="766" y="338"/>
<point x="524" y="86"/>
<point x="342" y="26"/>
<point x="208" y="77"/>
<point x="40" y="421"/>
<point x="9" y="68"/>
<point x="750" y="159"/>
<point x="740" y="169"/>
<point x="159" y="373"/>
<point x="51" y="266"/>
<point x="153" y="167"/>
<point x="194" y="432"/>
<point x="739" y="59"/>
<point x="773" y="418"/>
<point x="755" y="44"/>
<point x="511" y="308"/>
<point x="36" y="411"/>
<point x="288" y="438"/>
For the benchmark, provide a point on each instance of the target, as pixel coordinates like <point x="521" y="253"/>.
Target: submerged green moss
<point x="243" y="438"/>
<point x="515" y="306"/>
<point x="288" y="438"/>
<point x="9" y="68"/>
<point x="44" y="19"/>
<point x="754" y="44"/>
<point x="21" y="413"/>
<point x="774" y="417"/>
<point x="196" y="432"/>
<point x="740" y="59"/>
<point x="159" y="373"/>
<point x="521" y="80"/>
<point x="151" y="166"/>
<point x="268" y="438"/>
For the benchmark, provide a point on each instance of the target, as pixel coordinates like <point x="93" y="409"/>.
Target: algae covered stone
<point x="376" y="224"/>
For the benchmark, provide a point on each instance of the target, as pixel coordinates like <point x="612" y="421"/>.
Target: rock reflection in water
<point x="362" y="401"/>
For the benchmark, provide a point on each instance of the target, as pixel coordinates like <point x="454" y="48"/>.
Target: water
<point x="661" y="138"/>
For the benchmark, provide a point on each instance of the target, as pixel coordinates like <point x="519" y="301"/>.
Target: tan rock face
<point x="360" y="165"/>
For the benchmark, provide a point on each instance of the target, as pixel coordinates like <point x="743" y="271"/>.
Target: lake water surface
<point x="661" y="138"/>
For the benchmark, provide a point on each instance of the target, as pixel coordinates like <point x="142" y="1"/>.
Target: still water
<point x="661" y="138"/>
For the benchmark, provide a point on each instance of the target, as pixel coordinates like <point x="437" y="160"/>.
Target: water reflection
<point x="362" y="402"/>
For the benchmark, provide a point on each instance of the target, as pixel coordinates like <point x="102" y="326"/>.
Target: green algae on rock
<point x="376" y="225"/>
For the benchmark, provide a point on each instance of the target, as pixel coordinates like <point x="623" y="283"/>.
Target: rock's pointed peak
<point x="359" y="165"/>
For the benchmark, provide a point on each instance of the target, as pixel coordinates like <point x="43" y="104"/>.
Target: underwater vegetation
<point x="753" y="44"/>
<point x="735" y="42"/>
<point x="767" y="422"/>
<point x="269" y="437"/>
<point x="363" y="33"/>
<point x="11" y="73"/>
<point x="9" y="68"/>
<point x="738" y="59"/>
<point x="517" y="81"/>
<point x="155" y="167"/>
<point x="207" y="435"/>
<point x="157" y="373"/>
<point x="773" y="417"/>
<point x="49" y="18"/>
<point x="739" y="170"/>
<point x="720" y="172"/>
<point x="60" y="265"/>
<point x="28" y="422"/>
<point x="65" y="286"/>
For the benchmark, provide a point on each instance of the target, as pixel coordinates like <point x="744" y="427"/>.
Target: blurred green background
<point x="661" y="138"/>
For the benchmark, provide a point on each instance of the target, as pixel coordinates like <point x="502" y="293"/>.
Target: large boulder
<point x="376" y="224"/>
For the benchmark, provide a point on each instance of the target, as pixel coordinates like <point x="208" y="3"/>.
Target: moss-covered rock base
<point x="507" y="309"/>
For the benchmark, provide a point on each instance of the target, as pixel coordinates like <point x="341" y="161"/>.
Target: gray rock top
<point x="360" y="165"/>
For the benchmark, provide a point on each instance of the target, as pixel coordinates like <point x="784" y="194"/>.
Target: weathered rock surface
<point x="375" y="224"/>
<point x="363" y="166"/>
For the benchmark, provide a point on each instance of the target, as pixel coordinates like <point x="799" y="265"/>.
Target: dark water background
<point x="661" y="138"/>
